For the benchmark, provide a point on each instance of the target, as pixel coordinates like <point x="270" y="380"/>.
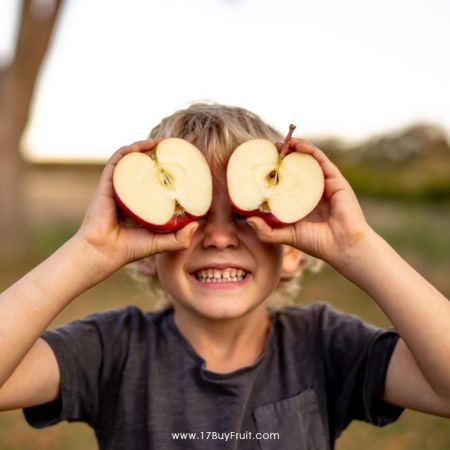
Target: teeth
<point x="215" y="275"/>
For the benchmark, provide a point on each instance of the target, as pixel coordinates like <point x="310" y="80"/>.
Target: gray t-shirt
<point x="139" y="383"/>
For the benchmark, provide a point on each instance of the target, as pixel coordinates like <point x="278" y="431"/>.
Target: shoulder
<point x="125" y="317"/>
<point x="122" y="324"/>
<point x="322" y="311"/>
<point x="326" y="323"/>
<point x="319" y="314"/>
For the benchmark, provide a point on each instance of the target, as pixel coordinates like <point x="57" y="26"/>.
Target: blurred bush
<point x="412" y="164"/>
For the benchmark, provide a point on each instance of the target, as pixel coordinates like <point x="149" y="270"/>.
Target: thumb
<point x="185" y="234"/>
<point x="172" y="242"/>
<point x="271" y="235"/>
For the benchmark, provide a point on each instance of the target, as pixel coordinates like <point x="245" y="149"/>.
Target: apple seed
<point x="273" y="178"/>
<point x="165" y="178"/>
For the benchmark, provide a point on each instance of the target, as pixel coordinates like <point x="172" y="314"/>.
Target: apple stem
<point x="287" y="141"/>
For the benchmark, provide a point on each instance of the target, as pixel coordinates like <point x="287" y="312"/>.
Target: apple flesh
<point x="282" y="189"/>
<point x="166" y="188"/>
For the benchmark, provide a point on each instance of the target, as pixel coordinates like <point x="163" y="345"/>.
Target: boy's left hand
<point x="336" y="224"/>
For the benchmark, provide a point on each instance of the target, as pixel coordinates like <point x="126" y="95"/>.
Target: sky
<point x="347" y="68"/>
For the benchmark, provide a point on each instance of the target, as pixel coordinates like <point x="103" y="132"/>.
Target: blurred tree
<point x="17" y="81"/>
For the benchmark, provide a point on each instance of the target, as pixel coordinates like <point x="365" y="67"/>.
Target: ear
<point x="291" y="259"/>
<point x="147" y="266"/>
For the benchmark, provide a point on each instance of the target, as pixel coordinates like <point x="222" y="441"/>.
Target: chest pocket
<point x="297" y="421"/>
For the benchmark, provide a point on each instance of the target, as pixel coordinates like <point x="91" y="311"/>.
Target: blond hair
<point x="216" y="130"/>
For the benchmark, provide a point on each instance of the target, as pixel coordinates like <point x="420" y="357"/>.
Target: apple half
<point x="280" y="189"/>
<point x="164" y="188"/>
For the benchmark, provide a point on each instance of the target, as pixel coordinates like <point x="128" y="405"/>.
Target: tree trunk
<point x="17" y="83"/>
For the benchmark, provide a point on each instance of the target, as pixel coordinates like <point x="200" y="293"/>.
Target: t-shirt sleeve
<point x="356" y="358"/>
<point x="90" y="358"/>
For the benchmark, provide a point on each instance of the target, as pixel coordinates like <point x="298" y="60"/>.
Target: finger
<point x="180" y="240"/>
<point x="271" y="235"/>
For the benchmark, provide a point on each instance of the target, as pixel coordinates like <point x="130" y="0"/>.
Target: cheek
<point x="164" y="266"/>
<point x="274" y="254"/>
<point x="169" y="265"/>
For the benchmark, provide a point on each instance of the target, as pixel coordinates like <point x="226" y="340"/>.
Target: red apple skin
<point x="175" y="223"/>
<point x="269" y="218"/>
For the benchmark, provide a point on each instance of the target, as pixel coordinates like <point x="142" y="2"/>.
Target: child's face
<point x="223" y="240"/>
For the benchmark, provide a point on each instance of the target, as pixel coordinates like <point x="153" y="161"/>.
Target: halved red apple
<point x="166" y="188"/>
<point x="282" y="189"/>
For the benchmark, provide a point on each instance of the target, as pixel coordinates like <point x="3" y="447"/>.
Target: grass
<point x="418" y="231"/>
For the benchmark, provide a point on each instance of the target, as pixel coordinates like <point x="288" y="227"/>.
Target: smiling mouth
<point x="229" y="275"/>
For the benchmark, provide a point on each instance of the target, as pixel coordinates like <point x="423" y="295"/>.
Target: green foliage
<point x="407" y="182"/>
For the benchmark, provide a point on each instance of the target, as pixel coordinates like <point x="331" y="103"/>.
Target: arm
<point x="337" y="232"/>
<point x="26" y="309"/>
<point x="419" y="372"/>
<point x="28" y="370"/>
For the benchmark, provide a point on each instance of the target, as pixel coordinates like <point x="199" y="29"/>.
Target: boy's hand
<point x="115" y="238"/>
<point x="336" y="224"/>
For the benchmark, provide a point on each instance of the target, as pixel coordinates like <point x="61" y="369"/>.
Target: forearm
<point x="419" y="312"/>
<point x="29" y="305"/>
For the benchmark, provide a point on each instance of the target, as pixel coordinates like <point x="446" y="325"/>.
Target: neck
<point x="225" y="344"/>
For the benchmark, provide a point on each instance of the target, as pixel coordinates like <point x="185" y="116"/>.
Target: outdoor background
<point x="368" y="84"/>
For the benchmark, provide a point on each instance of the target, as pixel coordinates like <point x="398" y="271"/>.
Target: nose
<point x="220" y="233"/>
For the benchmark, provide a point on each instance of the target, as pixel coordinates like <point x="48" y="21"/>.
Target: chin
<point x="223" y="308"/>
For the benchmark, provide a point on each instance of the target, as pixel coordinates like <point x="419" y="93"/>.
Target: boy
<point x="219" y="363"/>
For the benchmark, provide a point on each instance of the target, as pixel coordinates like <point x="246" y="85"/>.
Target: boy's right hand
<point x="115" y="239"/>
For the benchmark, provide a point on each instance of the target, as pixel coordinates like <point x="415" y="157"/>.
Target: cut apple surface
<point x="282" y="190"/>
<point x="165" y="188"/>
